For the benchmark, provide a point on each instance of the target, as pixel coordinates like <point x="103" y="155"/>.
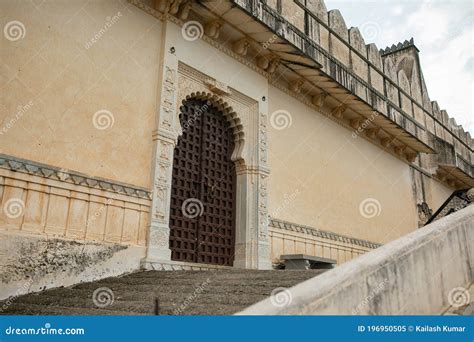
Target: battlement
<point x="400" y="46"/>
<point x="380" y="94"/>
<point x="390" y="79"/>
<point x="374" y="65"/>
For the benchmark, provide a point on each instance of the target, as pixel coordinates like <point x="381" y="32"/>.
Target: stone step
<point x="216" y="292"/>
<point x="203" y="275"/>
<point x="148" y="300"/>
<point x="33" y="309"/>
<point x="167" y="291"/>
<point x="169" y="284"/>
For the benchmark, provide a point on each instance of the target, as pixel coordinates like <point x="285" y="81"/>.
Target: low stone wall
<point x="31" y="263"/>
<point x="421" y="273"/>
<point x="58" y="203"/>
<point x="291" y="238"/>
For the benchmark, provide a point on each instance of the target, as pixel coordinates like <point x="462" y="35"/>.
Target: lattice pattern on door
<point x="203" y="173"/>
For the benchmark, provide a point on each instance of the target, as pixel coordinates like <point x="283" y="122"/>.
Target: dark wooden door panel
<point x="204" y="176"/>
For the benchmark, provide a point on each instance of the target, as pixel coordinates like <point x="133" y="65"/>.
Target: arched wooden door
<point x="202" y="219"/>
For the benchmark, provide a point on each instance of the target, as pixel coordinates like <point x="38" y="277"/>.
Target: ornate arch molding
<point x="180" y="82"/>
<point x="231" y="116"/>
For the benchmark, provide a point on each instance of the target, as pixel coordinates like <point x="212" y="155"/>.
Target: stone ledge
<point x="72" y="177"/>
<point x="294" y="227"/>
<point x="171" y="265"/>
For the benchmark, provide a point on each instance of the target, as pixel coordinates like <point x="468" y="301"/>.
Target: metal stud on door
<point x="202" y="219"/>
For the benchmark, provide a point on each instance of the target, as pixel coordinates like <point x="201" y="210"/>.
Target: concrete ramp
<point x="426" y="272"/>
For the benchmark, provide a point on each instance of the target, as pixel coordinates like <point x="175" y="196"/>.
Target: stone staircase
<point x="218" y="292"/>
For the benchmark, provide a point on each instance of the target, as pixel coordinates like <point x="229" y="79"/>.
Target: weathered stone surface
<point x="415" y="274"/>
<point x="337" y="23"/>
<point x="31" y="263"/>
<point x="178" y="292"/>
<point x="318" y="8"/>
<point x="357" y="41"/>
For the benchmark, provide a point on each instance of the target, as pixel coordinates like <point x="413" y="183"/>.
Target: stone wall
<point x="291" y="238"/>
<point x="51" y="202"/>
<point x="421" y="273"/>
<point x="324" y="177"/>
<point x="389" y="80"/>
<point x="80" y="87"/>
<point x="84" y="102"/>
<point x="59" y="227"/>
<point x="396" y="68"/>
<point x="31" y="263"/>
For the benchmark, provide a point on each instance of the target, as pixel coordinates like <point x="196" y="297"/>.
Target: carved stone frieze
<point x="294" y="227"/>
<point x="69" y="176"/>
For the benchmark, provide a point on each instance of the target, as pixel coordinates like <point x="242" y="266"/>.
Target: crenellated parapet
<point x="453" y="144"/>
<point x="380" y="95"/>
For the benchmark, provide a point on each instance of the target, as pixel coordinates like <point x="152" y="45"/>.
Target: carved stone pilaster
<point x="263" y="221"/>
<point x="164" y="141"/>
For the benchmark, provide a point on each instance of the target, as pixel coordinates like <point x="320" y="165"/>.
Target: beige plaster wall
<point x="66" y="78"/>
<point x="436" y="193"/>
<point x="417" y="274"/>
<point x="216" y="64"/>
<point x="321" y="175"/>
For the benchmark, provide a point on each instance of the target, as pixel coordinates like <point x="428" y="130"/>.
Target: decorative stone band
<point x="173" y="265"/>
<point x="294" y="227"/>
<point x="51" y="172"/>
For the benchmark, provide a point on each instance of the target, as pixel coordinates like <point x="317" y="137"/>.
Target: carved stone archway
<point x="181" y="82"/>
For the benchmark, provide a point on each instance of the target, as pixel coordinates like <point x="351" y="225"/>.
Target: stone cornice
<point x="298" y="228"/>
<point x="406" y="135"/>
<point x="72" y="177"/>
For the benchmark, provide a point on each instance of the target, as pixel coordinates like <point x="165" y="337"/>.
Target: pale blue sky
<point x="443" y="32"/>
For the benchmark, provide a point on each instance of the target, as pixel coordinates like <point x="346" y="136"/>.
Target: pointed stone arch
<point x="249" y="122"/>
<point x="231" y="116"/>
